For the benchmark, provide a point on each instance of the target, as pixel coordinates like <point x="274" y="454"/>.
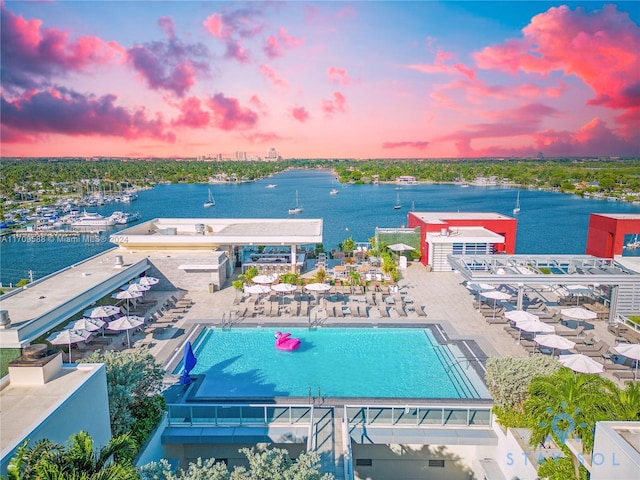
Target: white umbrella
<point x="283" y="288"/>
<point x="495" y="295"/>
<point x="480" y="287"/>
<point x="135" y="287"/>
<point x="318" y="287"/>
<point x="88" y="324"/>
<point x="257" y="289"/>
<point x="146" y="281"/>
<point x="126" y="322"/>
<point x="67" y="337"/>
<point x="579" y="290"/>
<point x="101" y="312"/>
<point x="401" y="247"/>
<point x="578" y="313"/>
<point x="264" y="279"/>
<point x="534" y="326"/>
<point x="521" y="315"/>
<point x="554" y="341"/>
<point x="631" y="350"/>
<point x="126" y="295"/>
<point x="581" y="363"/>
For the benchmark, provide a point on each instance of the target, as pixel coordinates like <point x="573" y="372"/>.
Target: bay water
<point x="548" y="223"/>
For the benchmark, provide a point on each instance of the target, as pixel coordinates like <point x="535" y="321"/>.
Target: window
<point x="436" y="463"/>
<point x="364" y="462"/>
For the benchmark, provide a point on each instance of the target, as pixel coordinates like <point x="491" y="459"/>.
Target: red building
<point x="611" y="234"/>
<point x="462" y="233"/>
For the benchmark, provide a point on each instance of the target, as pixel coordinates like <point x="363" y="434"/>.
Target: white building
<point x="272" y="154"/>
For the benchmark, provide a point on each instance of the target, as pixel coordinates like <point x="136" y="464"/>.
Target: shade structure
<point x="581" y="363"/>
<point x="264" y="279"/>
<point x="554" y="341"/>
<point x="102" y="312"/>
<point x="534" y="326"/>
<point x="135" y="287"/>
<point x="68" y="337"/>
<point x="189" y="361"/>
<point x="317" y="287"/>
<point x="126" y="295"/>
<point x="520" y="316"/>
<point x="257" y="289"/>
<point x="495" y="295"/>
<point x="578" y="313"/>
<point x="284" y="288"/>
<point x="146" y="281"/>
<point x="401" y="247"/>
<point x="480" y="287"/>
<point x="579" y="289"/>
<point x="630" y="350"/>
<point x="88" y="324"/>
<point x="126" y="322"/>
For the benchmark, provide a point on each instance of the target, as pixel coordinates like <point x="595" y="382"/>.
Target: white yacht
<point x="89" y="219"/>
<point x="334" y="192"/>
<point x="271" y="185"/>
<point x="297" y="208"/>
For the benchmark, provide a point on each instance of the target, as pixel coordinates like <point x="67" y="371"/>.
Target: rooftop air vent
<point x="119" y="261"/>
<point x="200" y="228"/>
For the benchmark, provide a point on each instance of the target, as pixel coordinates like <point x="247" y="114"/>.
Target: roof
<point x="465" y="234"/>
<point x="444" y="217"/>
<point x="620" y="216"/>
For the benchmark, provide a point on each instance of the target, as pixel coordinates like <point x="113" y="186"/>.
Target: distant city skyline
<point x="320" y="79"/>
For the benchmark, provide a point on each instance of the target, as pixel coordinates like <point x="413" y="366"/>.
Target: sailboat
<point x="517" y="208"/>
<point x="297" y="208"/>
<point x="211" y="201"/>
<point x="397" y="206"/>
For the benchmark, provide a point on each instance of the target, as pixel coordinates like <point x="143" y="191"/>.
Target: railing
<point x="426" y="416"/>
<point x="628" y="323"/>
<point x="223" y="414"/>
<point x="346" y="442"/>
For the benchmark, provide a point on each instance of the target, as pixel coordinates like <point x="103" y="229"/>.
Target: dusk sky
<point x="320" y="79"/>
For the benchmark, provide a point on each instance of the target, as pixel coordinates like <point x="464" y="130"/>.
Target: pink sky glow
<point x="320" y="80"/>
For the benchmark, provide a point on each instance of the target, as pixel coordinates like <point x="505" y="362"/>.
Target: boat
<point x="271" y="185"/>
<point x="122" y="218"/>
<point x="297" y="208"/>
<point x="88" y="219"/>
<point x="517" y="208"/>
<point x="334" y="192"/>
<point x="397" y="206"/>
<point x="285" y="342"/>
<point x="210" y="202"/>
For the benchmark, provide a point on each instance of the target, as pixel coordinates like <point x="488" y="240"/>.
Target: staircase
<point x="327" y="441"/>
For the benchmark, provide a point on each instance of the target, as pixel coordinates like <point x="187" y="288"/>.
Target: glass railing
<point x="418" y="416"/>
<point x="210" y="414"/>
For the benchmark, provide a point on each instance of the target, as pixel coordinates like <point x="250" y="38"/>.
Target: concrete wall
<point x="173" y="277"/>
<point x="86" y="409"/>
<point x="613" y="456"/>
<point x="410" y="462"/>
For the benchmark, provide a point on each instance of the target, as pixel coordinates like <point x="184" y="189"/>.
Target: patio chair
<point x="624" y="375"/>
<point x="382" y="308"/>
<point x="362" y="311"/>
<point x="420" y="311"/>
<point x="400" y="309"/>
<point x="571" y="333"/>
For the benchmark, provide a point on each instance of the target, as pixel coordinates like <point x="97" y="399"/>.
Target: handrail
<point x="346" y="442"/>
<point x="396" y="412"/>
<point x="210" y="414"/>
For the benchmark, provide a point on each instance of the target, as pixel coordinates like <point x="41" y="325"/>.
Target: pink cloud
<point x="258" y="104"/>
<point x="231" y="26"/>
<point x="337" y="105"/>
<point x="67" y="112"/>
<point x="406" y="144"/>
<point x="442" y="64"/>
<point x="229" y="115"/>
<point x="171" y="65"/>
<point x="600" y="47"/>
<point x="346" y="12"/>
<point x="338" y="75"/>
<point x="273" y="77"/>
<point x="275" y="45"/>
<point x="300" y="114"/>
<point x="263" y="137"/>
<point x="191" y="114"/>
<point x="213" y="24"/>
<point x="31" y="54"/>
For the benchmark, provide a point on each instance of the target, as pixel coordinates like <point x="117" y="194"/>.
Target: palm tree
<point x="78" y="460"/>
<point x="567" y="406"/>
<point x="628" y="402"/>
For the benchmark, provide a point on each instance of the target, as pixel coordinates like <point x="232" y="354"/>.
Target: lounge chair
<point x="626" y="375"/>
<point x="382" y="308"/>
<point x="400" y="309"/>
<point x="571" y="333"/>
<point x="420" y="311"/>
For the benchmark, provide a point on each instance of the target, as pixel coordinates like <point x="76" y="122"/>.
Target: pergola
<point x="519" y="270"/>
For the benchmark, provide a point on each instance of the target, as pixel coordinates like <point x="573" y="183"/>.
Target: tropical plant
<point x="269" y="464"/>
<point x="320" y="276"/>
<point x="291" y="278"/>
<point x="355" y="277"/>
<point x="238" y="284"/>
<point x="567" y="405"/>
<point x="77" y="460"/>
<point x="348" y="245"/>
<point x="132" y="377"/>
<point x="560" y="468"/>
<point x="249" y="275"/>
<point x="627" y="404"/>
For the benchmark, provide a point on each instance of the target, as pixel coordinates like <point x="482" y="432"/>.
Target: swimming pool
<point x="340" y="362"/>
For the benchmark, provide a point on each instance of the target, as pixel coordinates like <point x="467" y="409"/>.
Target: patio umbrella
<point x="189" y="360"/>
<point x="581" y="363"/>
<point x="401" y="247"/>
<point x="135" y="287"/>
<point x="534" y="326"/>
<point x="67" y="337"/>
<point x="126" y="322"/>
<point x="579" y="290"/>
<point x="283" y="288"/>
<point x="495" y="295"/>
<point x="102" y="311"/>
<point x="520" y="316"/>
<point x="480" y="287"/>
<point x="264" y="279"/>
<point x="257" y="289"/>
<point x="88" y="324"/>
<point x="578" y="313"/>
<point x="318" y="287"/>
<point x="146" y="281"/>
<point x="630" y="350"/>
<point x="126" y="295"/>
<point x="554" y="341"/>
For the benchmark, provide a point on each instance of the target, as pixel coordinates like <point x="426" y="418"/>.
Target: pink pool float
<point x="285" y="342"/>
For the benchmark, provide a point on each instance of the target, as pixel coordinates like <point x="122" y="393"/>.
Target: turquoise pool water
<point x="341" y="362"/>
